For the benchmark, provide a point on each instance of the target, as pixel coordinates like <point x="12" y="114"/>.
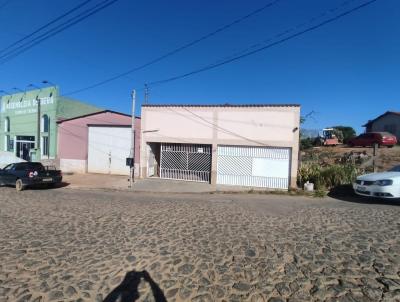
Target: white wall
<point x="8" y="158"/>
<point x="73" y="165"/>
<point x="266" y="126"/>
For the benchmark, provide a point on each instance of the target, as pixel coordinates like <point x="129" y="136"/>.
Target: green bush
<point x="347" y="132"/>
<point x="327" y="177"/>
<point x="306" y="143"/>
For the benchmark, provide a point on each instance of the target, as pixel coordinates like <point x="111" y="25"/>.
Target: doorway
<point x="23" y="146"/>
<point x="153" y="164"/>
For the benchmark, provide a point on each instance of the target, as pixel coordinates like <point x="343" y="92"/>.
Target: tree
<point x="348" y="132"/>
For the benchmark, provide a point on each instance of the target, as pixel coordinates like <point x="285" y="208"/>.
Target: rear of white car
<point x="381" y="185"/>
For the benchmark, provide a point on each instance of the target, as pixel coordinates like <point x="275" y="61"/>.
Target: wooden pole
<point x="374" y="158"/>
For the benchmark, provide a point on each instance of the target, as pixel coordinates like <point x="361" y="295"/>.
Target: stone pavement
<point x="77" y="245"/>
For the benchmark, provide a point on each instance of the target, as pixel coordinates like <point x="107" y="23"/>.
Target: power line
<point x="46" y="25"/>
<point x="179" y="49"/>
<point x="52" y="32"/>
<point x="289" y="30"/>
<point x="236" y="58"/>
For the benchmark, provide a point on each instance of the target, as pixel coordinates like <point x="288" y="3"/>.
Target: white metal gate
<point x="263" y="167"/>
<point x="185" y="162"/>
<point x="108" y="148"/>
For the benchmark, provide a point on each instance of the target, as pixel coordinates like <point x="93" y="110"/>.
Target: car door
<point x="360" y="140"/>
<point x="367" y="139"/>
<point x="373" y="138"/>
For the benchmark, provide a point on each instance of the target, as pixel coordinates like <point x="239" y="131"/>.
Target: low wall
<point x="73" y="165"/>
<point x="8" y="158"/>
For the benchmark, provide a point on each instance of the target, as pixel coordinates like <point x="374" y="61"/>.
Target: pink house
<point x="98" y="143"/>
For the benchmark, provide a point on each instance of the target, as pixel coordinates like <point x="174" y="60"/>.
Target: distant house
<point x="387" y="122"/>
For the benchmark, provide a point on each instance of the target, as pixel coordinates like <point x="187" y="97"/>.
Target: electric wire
<point x="46" y="25"/>
<point x="179" y="49"/>
<point x="280" y="41"/>
<point x="54" y="31"/>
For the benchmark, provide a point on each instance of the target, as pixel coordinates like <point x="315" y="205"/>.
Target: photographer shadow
<point x="127" y="291"/>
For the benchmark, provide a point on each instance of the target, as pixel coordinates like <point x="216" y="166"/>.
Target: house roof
<point x="382" y="115"/>
<point x="221" y="105"/>
<point x="96" y="113"/>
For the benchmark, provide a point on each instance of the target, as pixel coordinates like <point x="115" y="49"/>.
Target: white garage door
<point x="108" y="149"/>
<point x="263" y="167"/>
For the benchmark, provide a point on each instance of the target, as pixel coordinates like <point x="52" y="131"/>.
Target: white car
<point x="382" y="185"/>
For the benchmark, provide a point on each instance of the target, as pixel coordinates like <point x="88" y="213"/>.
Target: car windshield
<point x="395" y="169"/>
<point x="8" y="167"/>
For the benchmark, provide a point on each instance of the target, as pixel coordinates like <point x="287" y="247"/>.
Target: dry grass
<point x="387" y="157"/>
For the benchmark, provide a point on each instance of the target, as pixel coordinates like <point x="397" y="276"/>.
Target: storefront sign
<point x="25" y="106"/>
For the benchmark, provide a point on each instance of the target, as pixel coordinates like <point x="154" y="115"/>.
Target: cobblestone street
<point x="77" y="245"/>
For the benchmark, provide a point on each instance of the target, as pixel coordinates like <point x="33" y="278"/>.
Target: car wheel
<point x="18" y="185"/>
<point x="390" y="146"/>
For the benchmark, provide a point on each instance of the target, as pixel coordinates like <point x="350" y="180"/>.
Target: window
<point x="45" y="146"/>
<point x="45" y="123"/>
<point x="7" y="124"/>
<point x="21" y="167"/>
<point x="8" y="144"/>
<point x="8" y="167"/>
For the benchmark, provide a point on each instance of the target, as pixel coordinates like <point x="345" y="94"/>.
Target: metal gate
<point x="108" y="148"/>
<point x="185" y="162"/>
<point x="264" y="167"/>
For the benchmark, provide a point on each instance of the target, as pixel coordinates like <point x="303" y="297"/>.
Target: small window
<point x="7" y="124"/>
<point x="45" y="123"/>
<point x="9" y="144"/>
<point x="45" y="146"/>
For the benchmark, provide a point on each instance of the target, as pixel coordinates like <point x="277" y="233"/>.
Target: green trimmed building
<point x="19" y="120"/>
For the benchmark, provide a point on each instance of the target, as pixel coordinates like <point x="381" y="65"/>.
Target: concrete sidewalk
<point x="118" y="182"/>
<point x="155" y="185"/>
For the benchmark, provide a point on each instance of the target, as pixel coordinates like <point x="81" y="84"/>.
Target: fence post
<point x="374" y="157"/>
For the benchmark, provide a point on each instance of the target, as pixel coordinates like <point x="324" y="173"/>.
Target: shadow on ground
<point x="346" y="193"/>
<point x="42" y="187"/>
<point x="127" y="291"/>
<point x="63" y="184"/>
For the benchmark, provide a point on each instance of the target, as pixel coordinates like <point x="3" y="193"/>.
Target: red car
<point x="371" y="138"/>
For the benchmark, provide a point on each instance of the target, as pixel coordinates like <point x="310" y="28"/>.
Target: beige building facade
<point x="242" y="145"/>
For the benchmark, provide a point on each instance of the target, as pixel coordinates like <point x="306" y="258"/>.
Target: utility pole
<point x="132" y="153"/>
<point x="37" y="155"/>
<point x="146" y="94"/>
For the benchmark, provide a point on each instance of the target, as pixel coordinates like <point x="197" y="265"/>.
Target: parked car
<point x="27" y="174"/>
<point x="382" y="185"/>
<point x="371" y="138"/>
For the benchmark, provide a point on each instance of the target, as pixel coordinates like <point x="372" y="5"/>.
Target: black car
<point x="27" y="174"/>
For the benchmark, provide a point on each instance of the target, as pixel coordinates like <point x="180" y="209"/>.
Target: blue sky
<point x="347" y="71"/>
